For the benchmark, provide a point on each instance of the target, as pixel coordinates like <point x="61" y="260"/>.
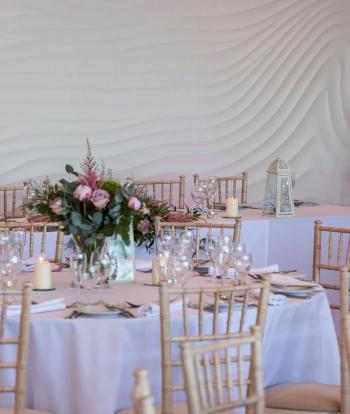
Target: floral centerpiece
<point x="89" y="207"/>
<point x="145" y="218"/>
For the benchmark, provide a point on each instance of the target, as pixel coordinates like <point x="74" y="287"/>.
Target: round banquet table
<point x="86" y="365"/>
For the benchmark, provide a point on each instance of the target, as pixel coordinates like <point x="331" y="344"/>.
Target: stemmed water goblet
<point x="181" y="267"/>
<point x="18" y="237"/>
<point x="242" y="267"/>
<point x="211" y="246"/>
<point x="212" y="184"/>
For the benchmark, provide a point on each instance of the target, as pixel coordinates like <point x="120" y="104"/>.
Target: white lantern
<point x="279" y="190"/>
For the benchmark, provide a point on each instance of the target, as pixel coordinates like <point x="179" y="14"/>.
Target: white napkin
<point x="284" y="280"/>
<point x="48" y="306"/>
<point x="28" y="264"/>
<point x="256" y="270"/>
<point x="152" y="309"/>
<point x="267" y="269"/>
<point x="143" y="265"/>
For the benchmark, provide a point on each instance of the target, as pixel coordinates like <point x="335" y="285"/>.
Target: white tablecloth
<point x="85" y="366"/>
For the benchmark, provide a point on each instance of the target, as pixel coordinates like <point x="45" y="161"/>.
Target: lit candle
<point x="155" y="271"/>
<point x="232" y="207"/>
<point x="42" y="274"/>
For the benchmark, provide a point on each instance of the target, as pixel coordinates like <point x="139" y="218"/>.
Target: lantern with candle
<point x="279" y="190"/>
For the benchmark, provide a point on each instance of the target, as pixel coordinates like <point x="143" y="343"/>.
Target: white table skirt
<point x="85" y="366"/>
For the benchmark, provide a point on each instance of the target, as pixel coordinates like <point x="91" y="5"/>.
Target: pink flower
<point x="89" y="180"/>
<point x="56" y="205"/>
<point x="82" y="192"/>
<point x="134" y="203"/>
<point x="100" y="198"/>
<point x="176" y="216"/>
<point x="143" y="226"/>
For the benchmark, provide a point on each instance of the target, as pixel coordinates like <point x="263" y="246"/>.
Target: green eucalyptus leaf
<point x="76" y="218"/>
<point x="114" y="212"/>
<point x="97" y="218"/>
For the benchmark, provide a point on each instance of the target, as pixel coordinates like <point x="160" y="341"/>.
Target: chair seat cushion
<point x="307" y="396"/>
<point x="11" y="411"/>
<point x="178" y="409"/>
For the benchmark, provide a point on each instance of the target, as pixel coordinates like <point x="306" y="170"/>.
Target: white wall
<point x="164" y="87"/>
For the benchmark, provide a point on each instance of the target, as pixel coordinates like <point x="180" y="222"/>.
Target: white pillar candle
<point x="232" y="207"/>
<point x="42" y="275"/>
<point x="155" y="271"/>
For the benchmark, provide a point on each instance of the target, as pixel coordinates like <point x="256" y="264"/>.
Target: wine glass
<point x="18" y="238"/>
<point x="212" y="184"/>
<point x="182" y="269"/>
<point x="211" y="249"/>
<point x="242" y="266"/>
<point x="11" y="265"/>
<point x="221" y="264"/>
<point x="168" y="239"/>
<point x="183" y="245"/>
<point x="202" y="192"/>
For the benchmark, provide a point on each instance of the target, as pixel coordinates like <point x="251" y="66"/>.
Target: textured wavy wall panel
<point x="168" y="87"/>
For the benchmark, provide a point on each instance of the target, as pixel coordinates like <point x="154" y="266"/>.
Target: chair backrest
<point x="38" y="233"/>
<point x="20" y="341"/>
<point x="332" y="253"/>
<point x="230" y="186"/>
<point x="200" y="229"/>
<point x="225" y="375"/>
<point x="220" y="313"/>
<point x="345" y="340"/>
<point x="172" y="191"/>
<point x="12" y="202"/>
<point x="143" y="400"/>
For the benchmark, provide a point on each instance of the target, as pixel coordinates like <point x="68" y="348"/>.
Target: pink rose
<point x="143" y="226"/>
<point x="100" y="198"/>
<point x="82" y="193"/>
<point x="176" y="216"/>
<point x="56" y="205"/>
<point x="134" y="203"/>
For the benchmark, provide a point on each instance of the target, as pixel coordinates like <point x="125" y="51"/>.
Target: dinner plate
<point x="98" y="311"/>
<point x="301" y="292"/>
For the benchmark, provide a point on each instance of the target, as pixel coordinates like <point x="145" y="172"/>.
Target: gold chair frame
<point x="227" y="183"/>
<point x="208" y="372"/>
<point x="151" y="187"/>
<point x="234" y="294"/>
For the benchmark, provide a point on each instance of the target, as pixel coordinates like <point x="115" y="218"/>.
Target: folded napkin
<point x="48" y="306"/>
<point x="267" y="269"/>
<point x="143" y="265"/>
<point x="152" y="309"/>
<point x="256" y="270"/>
<point x="284" y="280"/>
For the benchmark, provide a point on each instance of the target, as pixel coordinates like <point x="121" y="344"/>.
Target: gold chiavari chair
<point x="38" y="233"/>
<point x="224" y="321"/>
<point x="230" y="186"/>
<point x="217" y="375"/>
<point x="21" y="342"/>
<point x="196" y="227"/>
<point x="315" y="398"/>
<point x="12" y="202"/>
<point x="337" y="242"/>
<point x="143" y="401"/>
<point x="163" y="190"/>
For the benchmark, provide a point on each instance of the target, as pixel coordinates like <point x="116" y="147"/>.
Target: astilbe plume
<point x="89" y="164"/>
